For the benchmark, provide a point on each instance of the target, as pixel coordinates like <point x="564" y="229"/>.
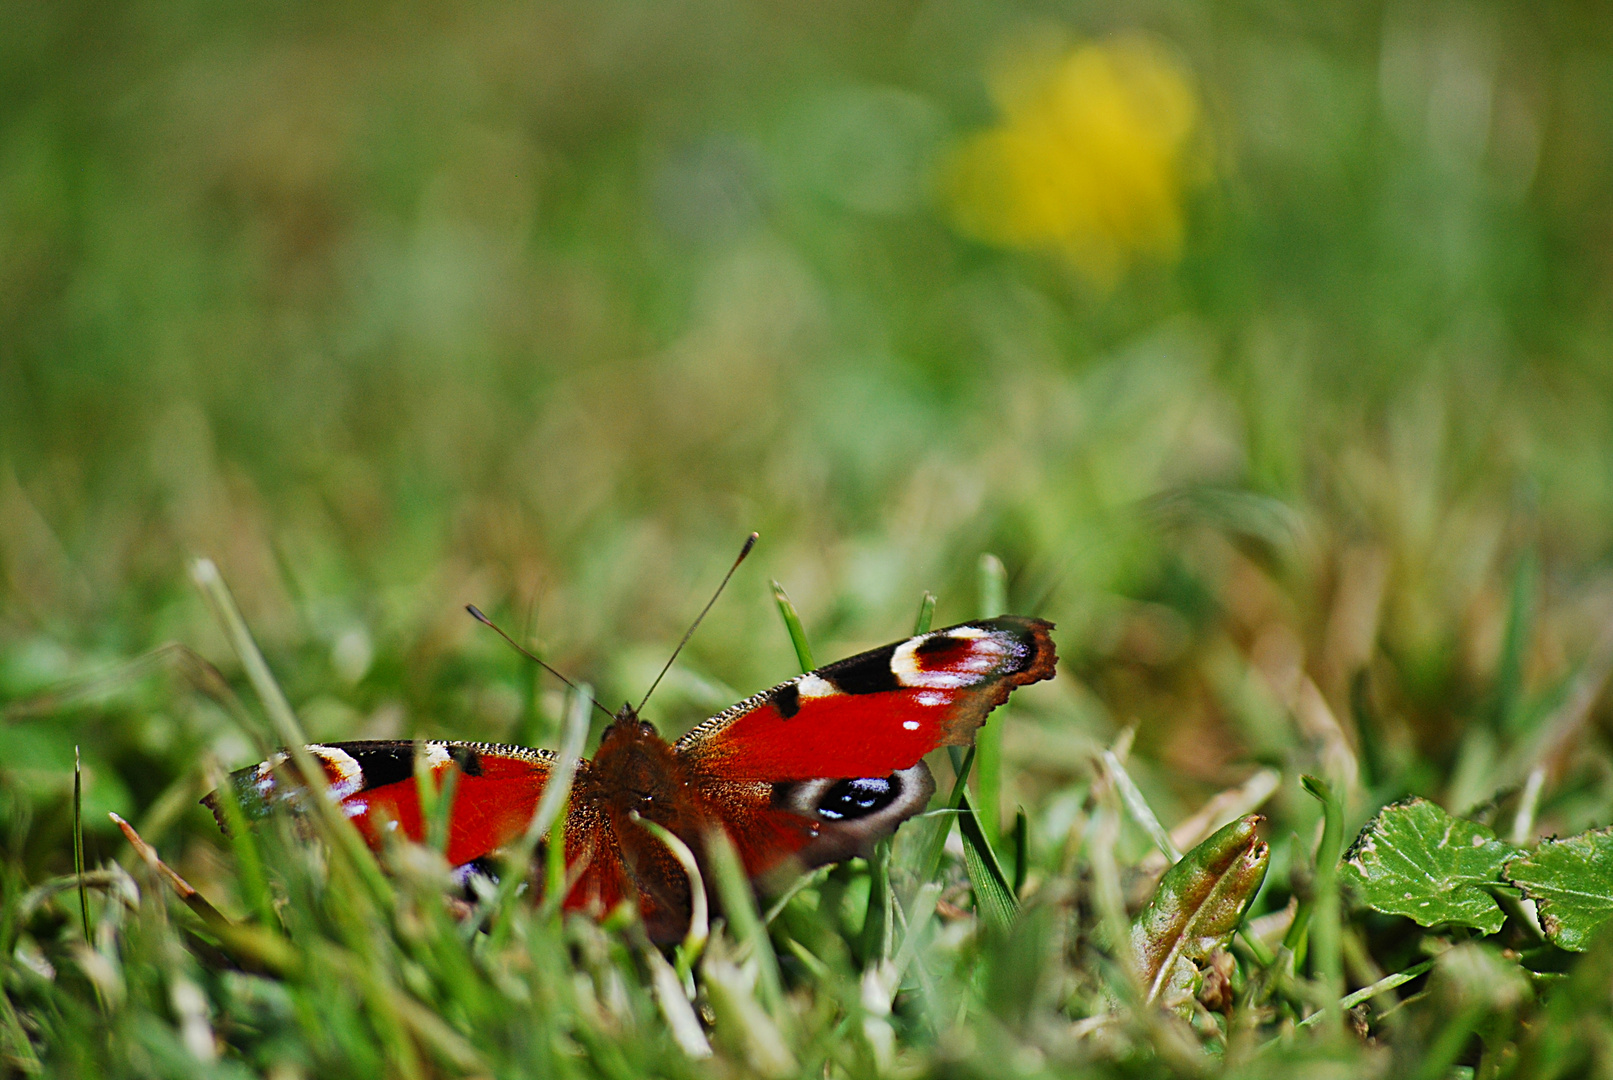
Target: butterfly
<point x="810" y="772"/>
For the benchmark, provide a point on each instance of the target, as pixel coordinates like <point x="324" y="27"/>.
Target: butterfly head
<point x="626" y="723"/>
<point x="636" y="768"/>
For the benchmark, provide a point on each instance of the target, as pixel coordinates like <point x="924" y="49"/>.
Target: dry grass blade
<point x="182" y="888"/>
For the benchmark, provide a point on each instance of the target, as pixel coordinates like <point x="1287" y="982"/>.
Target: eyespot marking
<point x="949" y="660"/>
<point x="848" y="800"/>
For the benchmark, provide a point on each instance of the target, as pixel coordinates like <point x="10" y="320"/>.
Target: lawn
<point x="1261" y="347"/>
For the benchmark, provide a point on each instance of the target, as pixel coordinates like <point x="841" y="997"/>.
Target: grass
<point x="332" y="968"/>
<point x="1303" y="442"/>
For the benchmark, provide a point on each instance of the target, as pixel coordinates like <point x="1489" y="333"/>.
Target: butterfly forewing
<point x="878" y="712"/>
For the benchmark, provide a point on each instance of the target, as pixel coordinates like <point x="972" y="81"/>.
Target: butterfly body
<point x="809" y="772"/>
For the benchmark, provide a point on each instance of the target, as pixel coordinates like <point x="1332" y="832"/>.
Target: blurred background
<point x="1265" y="342"/>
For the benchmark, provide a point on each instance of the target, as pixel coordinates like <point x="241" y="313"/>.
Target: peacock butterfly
<point x="810" y="772"/>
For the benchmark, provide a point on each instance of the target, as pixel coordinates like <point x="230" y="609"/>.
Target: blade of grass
<point x="1101" y="839"/>
<point x="554" y="857"/>
<point x="941" y="822"/>
<point x="78" y="842"/>
<point x="994" y="896"/>
<point x="680" y="1016"/>
<point x="1137" y="807"/>
<point x="926" y="616"/>
<point x="1523" y="822"/>
<point x="989" y="740"/>
<point x="1388" y="982"/>
<point x="436" y="803"/>
<point x="548" y="819"/>
<point x="1223" y="807"/>
<point x="993" y="587"/>
<point x="336" y="827"/>
<point x="252" y="947"/>
<point x="1326" y="959"/>
<point x="251" y="879"/>
<point x="805" y="881"/>
<point x="876" y="932"/>
<point x="182" y="888"/>
<point x="1505" y="707"/>
<point x="739" y="908"/>
<point x="1297" y="937"/>
<point x="1021" y="838"/>
<point x="694" y="941"/>
<point x="792" y="623"/>
<point x="743" y="1023"/>
<point x="16" y="1047"/>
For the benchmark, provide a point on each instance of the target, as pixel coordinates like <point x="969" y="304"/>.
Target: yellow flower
<point x="1088" y="159"/>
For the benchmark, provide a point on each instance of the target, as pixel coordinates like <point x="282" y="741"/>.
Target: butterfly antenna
<point x="476" y="613"/>
<point x="750" y="542"/>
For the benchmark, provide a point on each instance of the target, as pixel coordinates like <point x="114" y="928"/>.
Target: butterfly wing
<point x="820" y="766"/>
<point x="496" y="793"/>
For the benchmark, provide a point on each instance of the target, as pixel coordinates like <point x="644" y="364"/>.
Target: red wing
<point x="374" y="782"/>
<point x="876" y="713"/>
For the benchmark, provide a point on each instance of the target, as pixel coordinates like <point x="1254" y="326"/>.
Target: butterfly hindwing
<point x="794" y="825"/>
<point x="495" y="794"/>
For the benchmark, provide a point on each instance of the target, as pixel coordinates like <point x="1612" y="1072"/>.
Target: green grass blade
<point x="554" y="858"/>
<point x="680" y="1016"/>
<point x="940" y="824"/>
<point x="1506" y="709"/>
<point x="1137" y="806"/>
<point x="926" y="616"/>
<point x="436" y="804"/>
<point x="78" y="842"/>
<point x="1325" y="929"/>
<point x="1388" y="982"/>
<point x="989" y="739"/>
<point x="699" y="917"/>
<point x="993" y="587"/>
<point x="739" y="907"/>
<point x="548" y="821"/>
<point x="1021" y="849"/>
<point x="792" y="623"/>
<point x="994" y="895"/>
<point x="251" y="879"/>
<point x="288" y="729"/>
<point x="876" y="932"/>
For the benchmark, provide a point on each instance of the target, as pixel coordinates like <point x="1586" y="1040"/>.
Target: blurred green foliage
<point x="544" y="306"/>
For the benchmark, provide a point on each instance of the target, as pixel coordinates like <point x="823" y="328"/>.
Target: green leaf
<point x="1414" y="859"/>
<point x="1199" y="903"/>
<point x="1571" y="882"/>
